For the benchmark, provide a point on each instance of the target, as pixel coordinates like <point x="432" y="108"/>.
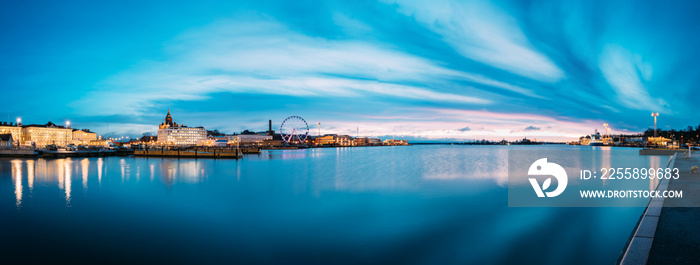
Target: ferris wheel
<point x="294" y="130"/>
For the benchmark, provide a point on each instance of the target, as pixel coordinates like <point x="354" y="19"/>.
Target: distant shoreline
<point x="464" y="143"/>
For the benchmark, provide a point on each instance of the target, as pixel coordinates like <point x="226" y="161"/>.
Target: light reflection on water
<point x="441" y="164"/>
<point x="419" y="204"/>
<point x="17" y="179"/>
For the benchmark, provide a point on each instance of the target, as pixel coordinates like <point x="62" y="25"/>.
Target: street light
<point x="67" y="129"/>
<point x="606" y="129"/>
<point x="654" y="114"/>
<point x="19" y="120"/>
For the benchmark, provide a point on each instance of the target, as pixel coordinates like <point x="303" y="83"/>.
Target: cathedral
<point x="171" y="133"/>
<point x="168" y="122"/>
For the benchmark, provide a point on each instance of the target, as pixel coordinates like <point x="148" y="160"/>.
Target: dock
<point x="18" y="153"/>
<point x="234" y="153"/>
<point x="61" y="153"/>
<point x="660" y="151"/>
<point x="669" y="230"/>
<point x="95" y="153"/>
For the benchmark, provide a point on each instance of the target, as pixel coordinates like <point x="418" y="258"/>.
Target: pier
<point x="213" y="153"/>
<point x="18" y="153"/>
<point x="660" y="151"/>
<point x="669" y="230"/>
<point x="61" y="153"/>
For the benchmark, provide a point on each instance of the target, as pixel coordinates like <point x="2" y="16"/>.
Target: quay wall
<point x="188" y="153"/>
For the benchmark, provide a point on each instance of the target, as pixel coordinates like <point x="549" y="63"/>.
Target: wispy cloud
<point x="425" y="69"/>
<point x="483" y="33"/>
<point x="625" y="73"/>
<point x="264" y="57"/>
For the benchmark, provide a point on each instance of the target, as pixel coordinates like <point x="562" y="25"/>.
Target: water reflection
<point x="604" y="160"/>
<point x="30" y="174"/>
<point x="17" y="179"/>
<point x="655" y="162"/>
<point x="84" y="165"/>
<point x="153" y="168"/>
<point x="274" y="204"/>
<point x="185" y="171"/>
<point x="100" y="163"/>
<point x="60" y="167"/>
<point x="68" y="179"/>
<point x="124" y="167"/>
<point x="288" y="154"/>
<point x="308" y="171"/>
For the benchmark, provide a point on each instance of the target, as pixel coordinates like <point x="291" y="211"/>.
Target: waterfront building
<point x="171" y="133"/>
<point x="214" y="141"/>
<point x="400" y="142"/>
<point x="273" y="142"/>
<point x="344" y="140"/>
<point x="46" y="134"/>
<point x="83" y="137"/>
<point x="374" y="141"/>
<point x="248" y="139"/>
<point x="9" y="128"/>
<point x="6" y="141"/>
<point x="659" y="141"/>
<point x="584" y="140"/>
<point x="148" y="140"/>
<point x="361" y="141"/>
<point x="328" y="139"/>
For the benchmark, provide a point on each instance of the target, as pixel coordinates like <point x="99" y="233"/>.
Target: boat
<point x="596" y="142"/>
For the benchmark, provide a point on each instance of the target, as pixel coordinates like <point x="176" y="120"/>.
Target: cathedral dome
<point x="168" y="119"/>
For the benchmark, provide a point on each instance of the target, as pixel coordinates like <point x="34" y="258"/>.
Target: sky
<point x="419" y="70"/>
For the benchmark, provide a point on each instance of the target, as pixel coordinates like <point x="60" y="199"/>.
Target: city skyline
<point x="443" y="70"/>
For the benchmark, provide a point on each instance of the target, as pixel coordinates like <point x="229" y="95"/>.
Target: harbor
<point x="350" y="132"/>
<point x="51" y="140"/>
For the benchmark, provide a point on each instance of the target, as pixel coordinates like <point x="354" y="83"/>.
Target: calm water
<point x="409" y="205"/>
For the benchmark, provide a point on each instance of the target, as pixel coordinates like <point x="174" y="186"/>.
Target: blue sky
<point x="423" y="70"/>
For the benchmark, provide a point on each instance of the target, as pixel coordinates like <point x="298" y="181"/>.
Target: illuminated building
<point x="398" y="142"/>
<point x="344" y="140"/>
<point x="148" y="140"/>
<point x="361" y="141"/>
<point x="328" y="139"/>
<point x="47" y="134"/>
<point x="214" y="141"/>
<point x="83" y="137"/>
<point x="248" y="139"/>
<point x="9" y="128"/>
<point x="374" y="141"/>
<point x="171" y="133"/>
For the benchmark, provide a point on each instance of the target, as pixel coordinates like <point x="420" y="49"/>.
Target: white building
<point x="248" y="139"/>
<point x="170" y="133"/>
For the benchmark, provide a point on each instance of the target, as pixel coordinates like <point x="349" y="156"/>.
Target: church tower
<point x="168" y="119"/>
